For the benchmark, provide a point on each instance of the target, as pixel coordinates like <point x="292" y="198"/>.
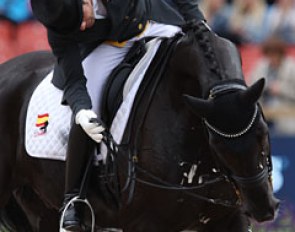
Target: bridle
<point x="237" y="134"/>
<point x="134" y="168"/>
<point x="266" y="172"/>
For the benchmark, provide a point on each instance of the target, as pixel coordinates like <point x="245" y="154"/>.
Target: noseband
<point x="156" y="182"/>
<point x="253" y="180"/>
<point x="266" y="172"/>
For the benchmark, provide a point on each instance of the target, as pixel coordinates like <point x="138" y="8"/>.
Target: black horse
<point x="197" y="154"/>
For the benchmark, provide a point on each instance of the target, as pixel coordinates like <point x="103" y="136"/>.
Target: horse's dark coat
<point x="172" y="140"/>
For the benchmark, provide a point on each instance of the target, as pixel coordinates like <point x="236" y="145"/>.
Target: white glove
<point x="92" y="129"/>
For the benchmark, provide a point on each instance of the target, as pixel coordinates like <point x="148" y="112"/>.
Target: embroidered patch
<point x="42" y="124"/>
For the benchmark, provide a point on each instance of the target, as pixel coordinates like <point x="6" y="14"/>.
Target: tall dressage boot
<point x="78" y="153"/>
<point x="71" y="219"/>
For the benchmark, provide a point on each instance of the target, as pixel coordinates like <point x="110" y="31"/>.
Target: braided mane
<point x="203" y="34"/>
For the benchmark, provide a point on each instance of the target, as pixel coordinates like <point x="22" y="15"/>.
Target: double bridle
<point x="220" y="90"/>
<point x="156" y="182"/>
<point x="266" y="172"/>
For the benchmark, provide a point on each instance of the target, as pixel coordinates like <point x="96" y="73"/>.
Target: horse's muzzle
<point x="268" y="214"/>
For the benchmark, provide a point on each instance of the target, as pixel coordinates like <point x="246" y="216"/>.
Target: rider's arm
<point x="189" y="9"/>
<point x="67" y="52"/>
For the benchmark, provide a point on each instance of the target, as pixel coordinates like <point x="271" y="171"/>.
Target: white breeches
<point x="102" y="60"/>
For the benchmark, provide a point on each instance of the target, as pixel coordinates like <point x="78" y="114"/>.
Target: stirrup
<point x="68" y="204"/>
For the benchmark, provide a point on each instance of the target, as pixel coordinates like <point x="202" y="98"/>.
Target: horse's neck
<point x="220" y="62"/>
<point x="188" y="140"/>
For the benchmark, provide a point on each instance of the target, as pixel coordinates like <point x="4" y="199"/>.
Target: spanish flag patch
<point x="42" y="123"/>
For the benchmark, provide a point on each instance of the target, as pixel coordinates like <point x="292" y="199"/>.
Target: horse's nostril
<point x="264" y="218"/>
<point x="269" y="217"/>
<point x="277" y="205"/>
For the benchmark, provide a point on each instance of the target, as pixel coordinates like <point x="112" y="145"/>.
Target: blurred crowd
<point x="268" y="25"/>
<point x="251" y="21"/>
<point x="241" y="21"/>
<point x="19" y="32"/>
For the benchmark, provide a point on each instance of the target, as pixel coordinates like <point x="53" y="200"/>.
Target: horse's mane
<point x="203" y="38"/>
<point x="222" y="66"/>
<point x="219" y="56"/>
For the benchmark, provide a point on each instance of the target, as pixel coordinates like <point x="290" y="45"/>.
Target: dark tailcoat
<point x="125" y="20"/>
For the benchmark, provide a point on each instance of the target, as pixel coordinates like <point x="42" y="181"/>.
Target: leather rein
<point x="156" y="182"/>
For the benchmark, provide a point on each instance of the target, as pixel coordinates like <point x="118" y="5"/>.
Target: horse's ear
<point x="198" y="106"/>
<point x="253" y="93"/>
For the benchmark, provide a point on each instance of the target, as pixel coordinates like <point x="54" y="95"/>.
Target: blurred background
<point x="264" y="32"/>
<point x="19" y="32"/>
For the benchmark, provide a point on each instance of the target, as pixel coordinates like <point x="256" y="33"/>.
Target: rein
<point x="156" y="182"/>
<point x="169" y="186"/>
<point x="134" y="168"/>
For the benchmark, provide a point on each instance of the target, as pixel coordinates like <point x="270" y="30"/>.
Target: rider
<point x="102" y="31"/>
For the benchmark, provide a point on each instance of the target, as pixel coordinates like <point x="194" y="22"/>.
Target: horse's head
<point x="239" y="136"/>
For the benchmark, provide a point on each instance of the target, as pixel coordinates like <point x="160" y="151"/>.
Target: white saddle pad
<point x="48" y="122"/>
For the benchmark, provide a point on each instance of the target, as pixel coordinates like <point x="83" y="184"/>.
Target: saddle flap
<point x="113" y="91"/>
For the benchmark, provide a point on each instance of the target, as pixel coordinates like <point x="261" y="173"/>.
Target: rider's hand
<point x="88" y="15"/>
<point x="92" y="128"/>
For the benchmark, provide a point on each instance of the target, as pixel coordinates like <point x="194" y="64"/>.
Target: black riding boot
<point x="71" y="220"/>
<point x="79" y="149"/>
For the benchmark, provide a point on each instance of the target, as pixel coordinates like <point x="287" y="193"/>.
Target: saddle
<point x="48" y="122"/>
<point x="113" y="90"/>
<point x="112" y="99"/>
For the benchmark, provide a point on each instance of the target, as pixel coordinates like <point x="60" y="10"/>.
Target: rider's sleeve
<point x="189" y="9"/>
<point x="67" y="52"/>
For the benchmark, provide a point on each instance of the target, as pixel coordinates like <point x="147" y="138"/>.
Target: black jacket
<point x="125" y="20"/>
